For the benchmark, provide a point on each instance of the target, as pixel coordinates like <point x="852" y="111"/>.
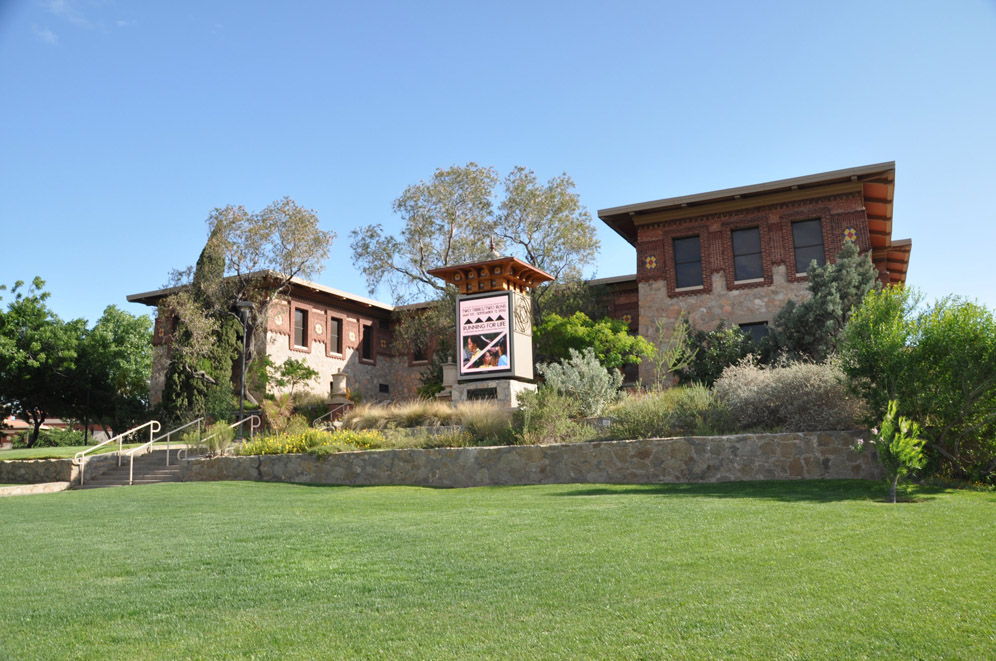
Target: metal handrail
<point x="80" y="457"/>
<point x="254" y="423"/>
<point x="131" y="453"/>
<point x="325" y="415"/>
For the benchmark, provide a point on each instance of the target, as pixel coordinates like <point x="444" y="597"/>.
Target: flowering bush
<point x="342" y="440"/>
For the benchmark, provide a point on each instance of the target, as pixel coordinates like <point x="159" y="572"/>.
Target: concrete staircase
<point x="150" y="468"/>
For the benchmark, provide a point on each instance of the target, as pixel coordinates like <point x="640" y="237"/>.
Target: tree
<point x="38" y="354"/>
<point x="557" y="336"/>
<point x="113" y="368"/>
<point x="899" y="446"/>
<point x="292" y="373"/>
<point x="248" y="256"/>
<point x="452" y="219"/>
<point x="940" y="363"/>
<point x="715" y="351"/>
<point x="811" y="329"/>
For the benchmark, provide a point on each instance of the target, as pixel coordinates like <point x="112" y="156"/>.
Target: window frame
<point x="760" y="254"/>
<point x="367" y="330"/>
<point x="678" y="286"/>
<point x="339" y="349"/>
<point x="796" y="246"/>
<point x="306" y="331"/>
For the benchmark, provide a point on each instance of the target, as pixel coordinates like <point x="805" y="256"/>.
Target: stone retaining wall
<point x="808" y="455"/>
<point x="39" y="471"/>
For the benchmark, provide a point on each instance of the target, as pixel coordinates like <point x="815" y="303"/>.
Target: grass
<point x="742" y="570"/>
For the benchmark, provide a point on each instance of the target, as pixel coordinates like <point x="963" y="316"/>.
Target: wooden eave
<point x="502" y="274"/>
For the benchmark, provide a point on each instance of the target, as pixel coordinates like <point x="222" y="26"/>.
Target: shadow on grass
<point x="814" y="491"/>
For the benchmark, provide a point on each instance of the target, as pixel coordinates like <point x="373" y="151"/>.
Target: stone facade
<point x="39" y="471"/>
<point x="805" y="455"/>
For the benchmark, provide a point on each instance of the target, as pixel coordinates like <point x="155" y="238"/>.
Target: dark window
<point x="366" y="342"/>
<point x="383" y="387"/>
<point x="300" y="328"/>
<point x="747" y="264"/>
<point x="384" y="324"/>
<point x="419" y="353"/>
<point x="335" y="335"/>
<point x="807" y="237"/>
<point x="756" y="330"/>
<point x="687" y="262"/>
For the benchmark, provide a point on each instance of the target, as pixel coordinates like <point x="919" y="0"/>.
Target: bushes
<point x="344" y="440"/>
<point x="586" y="386"/>
<point x="53" y="438"/>
<point x="798" y="397"/>
<point x="674" y="412"/>
<point x="544" y="417"/>
<point x="484" y="423"/>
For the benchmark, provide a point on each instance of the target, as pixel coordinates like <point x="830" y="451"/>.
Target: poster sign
<point x="484" y="327"/>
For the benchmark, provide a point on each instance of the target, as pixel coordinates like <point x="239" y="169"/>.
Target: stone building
<point x="737" y="255"/>
<point x="733" y="256"/>
<point x="330" y="330"/>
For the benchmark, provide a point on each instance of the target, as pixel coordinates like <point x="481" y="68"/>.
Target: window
<point x="687" y="262"/>
<point x="366" y="342"/>
<point x="300" y="328"/>
<point x="335" y="335"/>
<point x="419" y="354"/>
<point x="383" y="387"/>
<point x="756" y="330"/>
<point x="747" y="264"/>
<point x="807" y="237"/>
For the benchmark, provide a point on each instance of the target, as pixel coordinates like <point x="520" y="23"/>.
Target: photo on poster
<point x="484" y="335"/>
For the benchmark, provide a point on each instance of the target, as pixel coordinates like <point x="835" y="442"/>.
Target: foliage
<point x="452" y="218"/>
<point x="216" y="439"/>
<point x="311" y="440"/>
<point x="811" y="329"/>
<point x="555" y="337"/>
<point x="673" y="356"/>
<point x="714" y="351"/>
<point x="113" y="368"/>
<point x="54" y="438"/>
<point x="940" y="364"/>
<point x="292" y="373"/>
<point x="278" y="411"/>
<point x="584" y="381"/>
<point x="796" y="397"/>
<point x="484" y="423"/>
<point x="38" y="353"/>
<point x="677" y="411"/>
<point x="899" y="446"/>
<point x="544" y="417"/>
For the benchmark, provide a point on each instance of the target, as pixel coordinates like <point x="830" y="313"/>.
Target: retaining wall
<point x="806" y="455"/>
<point x="38" y="471"/>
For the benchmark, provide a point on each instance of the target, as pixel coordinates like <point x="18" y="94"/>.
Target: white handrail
<point x="131" y="453"/>
<point x="80" y="457"/>
<point x="325" y="415"/>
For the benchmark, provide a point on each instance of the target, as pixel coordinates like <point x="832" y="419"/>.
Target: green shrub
<point x="586" y="386"/>
<point x="217" y="438"/>
<point x="310" y="439"/>
<point x="939" y="362"/>
<point x="53" y="438"/>
<point x="797" y="397"/>
<point x="900" y="448"/>
<point x="544" y="417"/>
<point x="677" y="411"/>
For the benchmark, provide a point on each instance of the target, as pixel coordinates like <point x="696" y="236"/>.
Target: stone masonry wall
<point x="808" y="455"/>
<point x="38" y="471"/>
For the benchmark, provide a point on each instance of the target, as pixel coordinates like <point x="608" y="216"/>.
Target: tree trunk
<point x="892" y="488"/>
<point x="36" y="418"/>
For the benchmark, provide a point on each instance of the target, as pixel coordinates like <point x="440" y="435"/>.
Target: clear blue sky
<point x="124" y="123"/>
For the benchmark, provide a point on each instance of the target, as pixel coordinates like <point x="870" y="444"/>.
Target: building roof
<point x="153" y="297"/>
<point x="500" y="273"/>
<point x="876" y="183"/>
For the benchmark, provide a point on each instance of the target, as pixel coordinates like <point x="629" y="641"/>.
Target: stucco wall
<point x="810" y="455"/>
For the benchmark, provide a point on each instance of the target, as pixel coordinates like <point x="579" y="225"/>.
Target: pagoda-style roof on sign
<point x="501" y="274"/>
<point x="875" y="182"/>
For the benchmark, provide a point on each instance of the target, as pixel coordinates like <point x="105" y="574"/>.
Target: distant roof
<point x="623" y="219"/>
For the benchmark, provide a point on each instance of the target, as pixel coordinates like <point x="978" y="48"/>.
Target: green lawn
<point x="748" y="570"/>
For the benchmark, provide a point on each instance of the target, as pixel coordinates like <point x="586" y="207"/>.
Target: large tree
<point x="454" y="217"/>
<point x="249" y="256"/>
<point x="37" y="356"/>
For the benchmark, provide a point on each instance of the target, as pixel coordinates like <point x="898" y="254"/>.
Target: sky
<point x="124" y="123"/>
